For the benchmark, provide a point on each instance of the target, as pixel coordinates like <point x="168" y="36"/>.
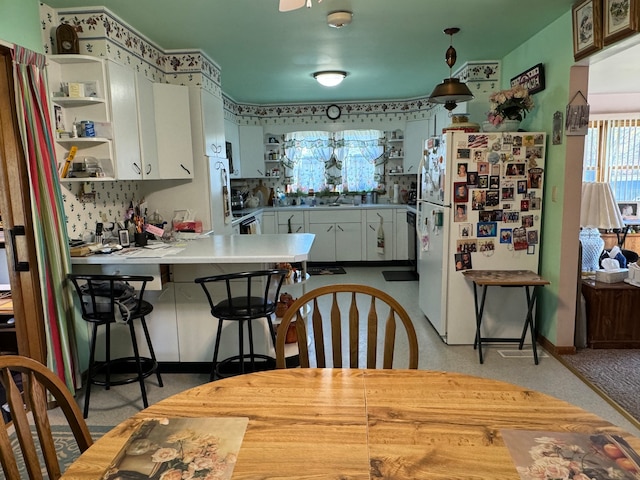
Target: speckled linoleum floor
<point x="550" y="376"/>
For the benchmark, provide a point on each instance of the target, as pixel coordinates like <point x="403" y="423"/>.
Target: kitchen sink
<point x="333" y="204"/>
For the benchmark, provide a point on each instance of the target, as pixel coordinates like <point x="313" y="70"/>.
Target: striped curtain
<point x="48" y="213"/>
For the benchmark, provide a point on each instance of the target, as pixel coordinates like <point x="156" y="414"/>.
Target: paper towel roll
<point x="396" y="193"/>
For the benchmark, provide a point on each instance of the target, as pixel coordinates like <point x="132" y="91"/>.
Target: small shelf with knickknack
<point x="77" y="85"/>
<point x="273" y="152"/>
<point x="393" y="143"/>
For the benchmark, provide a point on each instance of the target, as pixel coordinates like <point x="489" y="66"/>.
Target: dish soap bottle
<point x="272" y="196"/>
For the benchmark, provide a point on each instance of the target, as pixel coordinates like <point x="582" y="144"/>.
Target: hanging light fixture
<point x="451" y="90"/>
<point x="330" y="78"/>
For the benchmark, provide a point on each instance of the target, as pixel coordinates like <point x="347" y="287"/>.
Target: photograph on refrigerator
<point x="492" y="204"/>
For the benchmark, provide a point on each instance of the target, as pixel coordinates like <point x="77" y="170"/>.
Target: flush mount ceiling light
<point x="339" y="19"/>
<point x="288" y="5"/>
<point x="330" y="78"/>
<point x="451" y="90"/>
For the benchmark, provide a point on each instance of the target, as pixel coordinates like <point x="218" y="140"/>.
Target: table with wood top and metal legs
<point x="505" y="278"/>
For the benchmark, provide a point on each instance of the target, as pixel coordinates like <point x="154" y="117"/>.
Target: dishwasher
<point x="412" y="241"/>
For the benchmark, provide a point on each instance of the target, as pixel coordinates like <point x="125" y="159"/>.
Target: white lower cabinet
<point x="289" y="221"/>
<point x="375" y="251"/>
<point x="401" y="240"/>
<point x="162" y="326"/>
<point x="197" y="328"/>
<point x="269" y="222"/>
<point x="338" y="235"/>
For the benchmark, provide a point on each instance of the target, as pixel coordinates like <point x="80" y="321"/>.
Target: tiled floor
<point x="550" y="376"/>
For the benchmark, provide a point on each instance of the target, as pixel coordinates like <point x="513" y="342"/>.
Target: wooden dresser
<point x="613" y="314"/>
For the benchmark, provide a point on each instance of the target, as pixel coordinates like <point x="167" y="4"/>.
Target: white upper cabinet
<point x="173" y="131"/>
<point x="251" y="151"/>
<point x="124" y="120"/>
<point x="415" y="134"/>
<point x="207" y="123"/>
<point x="232" y="142"/>
<point x="147" y="128"/>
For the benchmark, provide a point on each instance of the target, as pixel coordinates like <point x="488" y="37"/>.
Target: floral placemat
<point x="576" y="456"/>
<point x="177" y="448"/>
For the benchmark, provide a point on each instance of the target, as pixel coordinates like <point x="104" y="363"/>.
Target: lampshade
<point x="599" y="208"/>
<point x="451" y="90"/>
<point x="330" y="78"/>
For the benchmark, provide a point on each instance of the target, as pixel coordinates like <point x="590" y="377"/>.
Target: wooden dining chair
<point x="319" y="325"/>
<point x="37" y="380"/>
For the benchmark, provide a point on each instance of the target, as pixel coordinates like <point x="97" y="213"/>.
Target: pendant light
<point x="451" y="90"/>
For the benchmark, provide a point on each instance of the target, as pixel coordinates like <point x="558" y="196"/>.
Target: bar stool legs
<point x="140" y="373"/>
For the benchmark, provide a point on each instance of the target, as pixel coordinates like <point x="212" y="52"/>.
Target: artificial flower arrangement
<point x="511" y="104"/>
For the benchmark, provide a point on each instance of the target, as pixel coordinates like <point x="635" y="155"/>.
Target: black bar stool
<point x="106" y="299"/>
<point x="247" y="296"/>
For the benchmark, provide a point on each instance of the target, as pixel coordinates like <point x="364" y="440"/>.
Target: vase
<point x="505" y="126"/>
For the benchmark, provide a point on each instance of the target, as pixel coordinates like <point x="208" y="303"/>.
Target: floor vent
<point x="524" y="353"/>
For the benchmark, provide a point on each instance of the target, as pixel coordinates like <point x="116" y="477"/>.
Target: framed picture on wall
<point x="620" y="19"/>
<point x="587" y="28"/>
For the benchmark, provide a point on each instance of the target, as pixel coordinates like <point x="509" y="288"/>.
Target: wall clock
<point x="333" y="112"/>
<point x="67" y="39"/>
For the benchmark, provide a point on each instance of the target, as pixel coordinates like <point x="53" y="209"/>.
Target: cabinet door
<point x="147" y="127"/>
<point x="213" y="118"/>
<point x="173" y="130"/>
<point x="124" y="121"/>
<point x="295" y="228"/>
<point x="415" y="134"/>
<point x="401" y="240"/>
<point x="232" y="136"/>
<point x="372" y="241"/>
<point x="251" y="151"/>
<point x="324" y="245"/>
<point x="348" y="245"/>
<point x="269" y="222"/>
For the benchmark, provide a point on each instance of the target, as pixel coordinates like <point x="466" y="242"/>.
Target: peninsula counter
<point x="181" y="326"/>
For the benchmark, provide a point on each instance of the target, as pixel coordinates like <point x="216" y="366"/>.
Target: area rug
<point x="66" y="447"/>
<point x="399" y="275"/>
<point x="613" y="373"/>
<point x="329" y="270"/>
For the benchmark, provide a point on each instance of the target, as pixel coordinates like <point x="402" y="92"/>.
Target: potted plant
<point x="508" y="108"/>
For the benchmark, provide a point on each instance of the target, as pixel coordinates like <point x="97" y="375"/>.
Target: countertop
<point x="240" y="215"/>
<point x="274" y="248"/>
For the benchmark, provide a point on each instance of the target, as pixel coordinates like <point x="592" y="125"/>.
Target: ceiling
<point x="394" y="49"/>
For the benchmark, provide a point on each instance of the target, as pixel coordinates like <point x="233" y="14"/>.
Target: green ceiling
<point x="394" y="49"/>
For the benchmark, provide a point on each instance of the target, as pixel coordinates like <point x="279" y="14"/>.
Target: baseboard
<point x="555" y="350"/>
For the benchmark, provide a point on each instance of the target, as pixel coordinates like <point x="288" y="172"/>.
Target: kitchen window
<point x="349" y="160"/>
<point x="612" y="154"/>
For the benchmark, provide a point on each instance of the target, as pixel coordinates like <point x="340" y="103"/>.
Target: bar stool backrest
<point x="244" y="295"/>
<point x="108" y="298"/>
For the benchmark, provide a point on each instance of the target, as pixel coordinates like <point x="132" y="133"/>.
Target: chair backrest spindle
<point x="307" y="312"/>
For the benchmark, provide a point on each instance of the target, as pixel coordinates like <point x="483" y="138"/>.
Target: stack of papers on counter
<point x="145" y="252"/>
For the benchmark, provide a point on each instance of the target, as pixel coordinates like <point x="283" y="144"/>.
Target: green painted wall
<point x="20" y="23"/>
<point x="553" y="47"/>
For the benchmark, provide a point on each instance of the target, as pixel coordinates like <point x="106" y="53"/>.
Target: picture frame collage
<point x="597" y="23"/>
<point x="497" y="190"/>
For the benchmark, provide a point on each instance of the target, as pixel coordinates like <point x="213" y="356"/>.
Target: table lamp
<point x="598" y="210"/>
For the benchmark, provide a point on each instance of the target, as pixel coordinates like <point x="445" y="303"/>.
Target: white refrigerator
<point x="479" y="207"/>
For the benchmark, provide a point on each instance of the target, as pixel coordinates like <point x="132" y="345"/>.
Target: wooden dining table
<point x="364" y="424"/>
